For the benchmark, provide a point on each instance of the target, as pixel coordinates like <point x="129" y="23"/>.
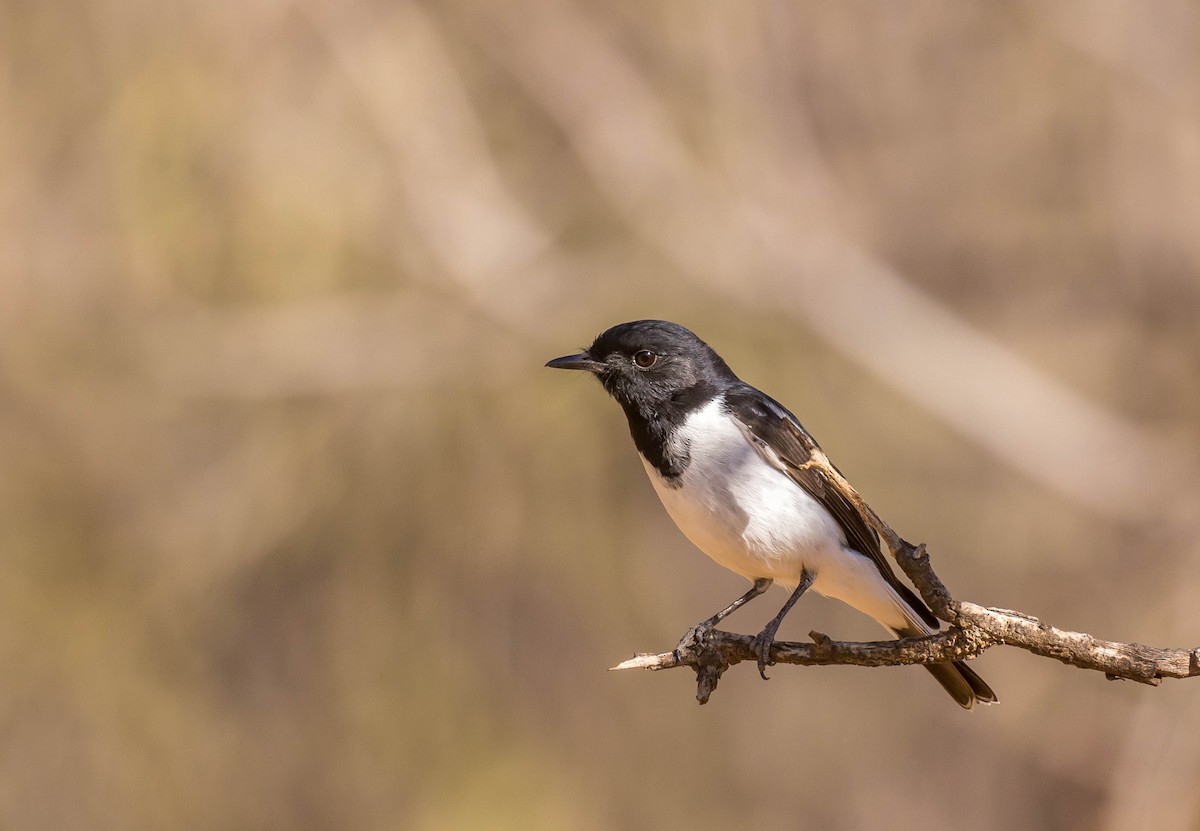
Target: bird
<point x="731" y="466"/>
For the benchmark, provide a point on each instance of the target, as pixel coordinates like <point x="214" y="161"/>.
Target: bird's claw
<point x="761" y="646"/>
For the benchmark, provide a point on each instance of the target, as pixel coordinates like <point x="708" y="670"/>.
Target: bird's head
<point x="650" y="365"/>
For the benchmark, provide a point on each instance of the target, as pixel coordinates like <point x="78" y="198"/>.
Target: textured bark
<point x="973" y="629"/>
<point x="979" y="630"/>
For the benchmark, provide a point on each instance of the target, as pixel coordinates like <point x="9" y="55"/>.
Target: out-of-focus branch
<point x="1105" y="39"/>
<point x="497" y="254"/>
<point x="324" y="346"/>
<point x="760" y="245"/>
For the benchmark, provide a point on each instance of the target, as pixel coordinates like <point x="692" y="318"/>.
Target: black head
<point x="652" y="366"/>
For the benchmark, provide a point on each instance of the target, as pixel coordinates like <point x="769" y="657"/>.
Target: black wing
<point x="783" y="442"/>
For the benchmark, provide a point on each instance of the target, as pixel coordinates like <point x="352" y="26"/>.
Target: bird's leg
<point x="763" y="640"/>
<point x="699" y="632"/>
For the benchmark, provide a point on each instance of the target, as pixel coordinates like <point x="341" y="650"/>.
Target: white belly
<point x="744" y="514"/>
<point x="751" y="518"/>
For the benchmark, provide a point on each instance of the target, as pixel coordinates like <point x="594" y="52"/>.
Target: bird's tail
<point x="896" y="607"/>
<point x="958" y="679"/>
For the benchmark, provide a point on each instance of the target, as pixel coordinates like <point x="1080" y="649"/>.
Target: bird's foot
<point x="761" y="646"/>
<point x="694" y="639"/>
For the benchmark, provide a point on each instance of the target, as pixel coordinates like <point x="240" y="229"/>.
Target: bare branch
<point x="721" y="650"/>
<point x="981" y="629"/>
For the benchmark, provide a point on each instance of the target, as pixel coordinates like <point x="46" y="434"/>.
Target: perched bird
<point x="729" y="464"/>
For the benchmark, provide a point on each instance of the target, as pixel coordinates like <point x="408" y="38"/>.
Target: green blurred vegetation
<point x="295" y="532"/>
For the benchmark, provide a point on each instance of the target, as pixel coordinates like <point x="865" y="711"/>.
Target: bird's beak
<point x="581" y="361"/>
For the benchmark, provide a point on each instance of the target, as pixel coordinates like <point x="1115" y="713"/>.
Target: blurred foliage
<point x="297" y="533"/>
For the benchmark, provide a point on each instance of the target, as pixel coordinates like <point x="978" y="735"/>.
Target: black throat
<point x="655" y="427"/>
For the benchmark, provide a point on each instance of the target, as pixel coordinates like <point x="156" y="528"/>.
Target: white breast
<point x="740" y="511"/>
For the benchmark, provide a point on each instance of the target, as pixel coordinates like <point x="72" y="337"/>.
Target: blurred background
<point x="296" y="532"/>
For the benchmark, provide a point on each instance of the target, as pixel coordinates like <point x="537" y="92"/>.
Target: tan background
<point x="296" y="533"/>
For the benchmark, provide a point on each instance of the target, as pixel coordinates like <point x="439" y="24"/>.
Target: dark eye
<point x="645" y="359"/>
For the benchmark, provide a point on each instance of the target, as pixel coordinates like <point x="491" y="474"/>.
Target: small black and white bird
<point x="729" y="464"/>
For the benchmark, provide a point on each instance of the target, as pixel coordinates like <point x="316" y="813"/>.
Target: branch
<point x="973" y="630"/>
<point x="984" y="628"/>
<point x="721" y="650"/>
